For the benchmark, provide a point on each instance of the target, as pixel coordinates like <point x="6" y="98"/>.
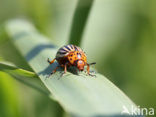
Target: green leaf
<point x="79" y="21"/>
<point x="24" y="76"/>
<point x="79" y="95"/>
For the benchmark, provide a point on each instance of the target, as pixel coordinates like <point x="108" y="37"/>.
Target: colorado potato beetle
<point x="71" y="55"/>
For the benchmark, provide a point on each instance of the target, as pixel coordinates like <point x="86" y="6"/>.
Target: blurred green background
<point x="120" y="35"/>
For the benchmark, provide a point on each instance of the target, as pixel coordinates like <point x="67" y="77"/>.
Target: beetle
<point x="71" y="55"/>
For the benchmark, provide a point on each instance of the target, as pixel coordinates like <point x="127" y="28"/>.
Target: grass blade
<point x="4" y="65"/>
<point x="79" y="21"/>
<point x="79" y="95"/>
<point x="24" y="76"/>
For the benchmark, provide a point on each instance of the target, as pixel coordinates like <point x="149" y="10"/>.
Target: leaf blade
<point x="79" y="21"/>
<point x="24" y="76"/>
<point x="79" y="95"/>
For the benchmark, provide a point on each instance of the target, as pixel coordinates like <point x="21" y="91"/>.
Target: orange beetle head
<point x="80" y="65"/>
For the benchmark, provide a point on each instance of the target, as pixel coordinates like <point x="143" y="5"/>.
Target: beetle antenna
<point x="92" y="63"/>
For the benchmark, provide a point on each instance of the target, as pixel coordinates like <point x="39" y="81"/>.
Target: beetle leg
<point x="54" y="70"/>
<point x="51" y="62"/>
<point x="88" y="68"/>
<point x="65" y="69"/>
<point x="92" y="63"/>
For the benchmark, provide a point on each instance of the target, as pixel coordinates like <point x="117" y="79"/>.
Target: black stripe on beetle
<point x="67" y="47"/>
<point x="75" y="48"/>
<point x="71" y="46"/>
<point x="63" y="50"/>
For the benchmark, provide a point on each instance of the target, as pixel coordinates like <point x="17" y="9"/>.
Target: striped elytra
<point x="65" y="50"/>
<point x="70" y="55"/>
